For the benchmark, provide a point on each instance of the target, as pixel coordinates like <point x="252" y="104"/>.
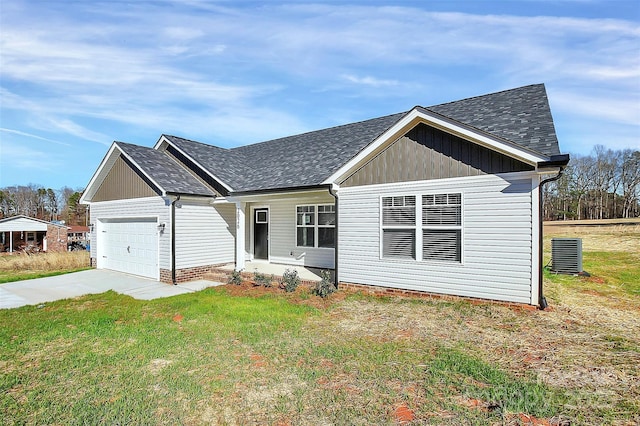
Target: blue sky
<point x="77" y="75"/>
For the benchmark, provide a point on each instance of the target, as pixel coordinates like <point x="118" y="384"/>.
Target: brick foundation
<point x="186" y="274"/>
<point x="398" y="292"/>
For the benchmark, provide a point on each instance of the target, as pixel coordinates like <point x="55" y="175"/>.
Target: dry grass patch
<point x="22" y="266"/>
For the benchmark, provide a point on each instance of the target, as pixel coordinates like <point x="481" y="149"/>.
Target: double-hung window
<point x="442" y="227"/>
<point x="431" y="230"/>
<point x="399" y="227"/>
<point x="316" y="226"/>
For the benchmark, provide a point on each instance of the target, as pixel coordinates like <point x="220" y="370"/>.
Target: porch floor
<point x="308" y="274"/>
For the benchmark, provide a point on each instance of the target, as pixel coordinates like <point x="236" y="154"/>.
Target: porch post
<point x="10" y="241"/>
<point x="240" y="235"/>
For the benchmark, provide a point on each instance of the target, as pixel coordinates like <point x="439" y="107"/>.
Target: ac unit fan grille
<point x="566" y="255"/>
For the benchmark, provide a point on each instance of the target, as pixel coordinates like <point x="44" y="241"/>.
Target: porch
<point x="276" y="269"/>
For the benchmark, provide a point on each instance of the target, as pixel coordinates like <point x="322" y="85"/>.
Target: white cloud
<point x="370" y="81"/>
<point x="29" y="135"/>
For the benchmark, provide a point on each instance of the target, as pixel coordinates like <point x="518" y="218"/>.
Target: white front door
<point x="129" y="245"/>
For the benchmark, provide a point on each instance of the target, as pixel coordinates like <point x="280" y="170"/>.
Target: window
<point x="31" y="237"/>
<point x="261" y="216"/>
<point x="306" y="226"/>
<point x="399" y="227"/>
<point x="316" y="226"/>
<point x="442" y="227"/>
<point x="433" y="231"/>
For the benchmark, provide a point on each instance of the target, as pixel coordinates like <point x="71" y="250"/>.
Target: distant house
<point x="23" y="233"/>
<point x="78" y="234"/>
<point x="442" y="199"/>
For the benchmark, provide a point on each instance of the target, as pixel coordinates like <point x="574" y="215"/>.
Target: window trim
<point x="419" y="228"/>
<point x="316" y="226"/>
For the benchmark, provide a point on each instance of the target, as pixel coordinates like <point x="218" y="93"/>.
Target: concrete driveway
<point x="93" y="281"/>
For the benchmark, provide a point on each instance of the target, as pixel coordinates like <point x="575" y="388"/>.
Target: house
<point x="23" y="233"/>
<point x="78" y="233"/>
<point x="442" y="199"/>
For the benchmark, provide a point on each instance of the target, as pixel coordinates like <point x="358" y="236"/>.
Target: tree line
<point x="602" y="185"/>
<point x="43" y="203"/>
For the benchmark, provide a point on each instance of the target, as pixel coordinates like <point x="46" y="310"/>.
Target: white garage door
<point x="129" y="245"/>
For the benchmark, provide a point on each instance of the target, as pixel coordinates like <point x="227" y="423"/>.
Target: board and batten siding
<point x="496" y="239"/>
<point x="205" y="234"/>
<point x="427" y="153"/>
<point x="135" y="208"/>
<point x="282" y="231"/>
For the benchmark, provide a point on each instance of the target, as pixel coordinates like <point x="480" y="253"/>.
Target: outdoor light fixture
<point x="161" y="227"/>
<point x="91" y="227"/>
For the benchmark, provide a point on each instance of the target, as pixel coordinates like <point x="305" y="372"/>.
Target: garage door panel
<point x="130" y="245"/>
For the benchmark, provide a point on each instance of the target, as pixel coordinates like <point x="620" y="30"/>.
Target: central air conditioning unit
<point x="566" y="255"/>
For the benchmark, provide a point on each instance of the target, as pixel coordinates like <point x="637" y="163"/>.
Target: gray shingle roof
<point x="520" y="115"/>
<point x="171" y="177"/>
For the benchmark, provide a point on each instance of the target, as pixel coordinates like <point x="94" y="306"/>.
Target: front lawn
<point x="234" y="355"/>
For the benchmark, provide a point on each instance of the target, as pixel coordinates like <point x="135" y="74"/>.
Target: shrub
<point x="290" y="280"/>
<point x="325" y="286"/>
<point x="236" y="278"/>
<point x="262" y="279"/>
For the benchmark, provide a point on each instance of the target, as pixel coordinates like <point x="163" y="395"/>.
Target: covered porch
<point x="277" y="269"/>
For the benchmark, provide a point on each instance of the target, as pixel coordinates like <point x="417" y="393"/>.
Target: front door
<point x="261" y="234"/>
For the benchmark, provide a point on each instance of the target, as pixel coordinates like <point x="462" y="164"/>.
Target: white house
<point x="442" y="199"/>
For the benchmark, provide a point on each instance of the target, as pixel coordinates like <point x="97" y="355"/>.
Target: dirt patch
<point x="572" y="347"/>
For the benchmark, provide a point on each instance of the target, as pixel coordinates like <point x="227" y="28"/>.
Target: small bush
<point x="290" y="280"/>
<point x="262" y="279"/>
<point x="324" y="287"/>
<point x="236" y="278"/>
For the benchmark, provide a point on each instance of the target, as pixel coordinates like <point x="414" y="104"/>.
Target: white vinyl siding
<point x="283" y="230"/>
<point x="204" y="234"/>
<point x="497" y="240"/>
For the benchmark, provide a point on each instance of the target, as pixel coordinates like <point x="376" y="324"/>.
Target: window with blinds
<point x="399" y="227"/>
<point x="430" y="231"/>
<point x="442" y="227"/>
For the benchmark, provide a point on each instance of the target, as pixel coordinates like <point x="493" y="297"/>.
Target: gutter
<point x="173" y="240"/>
<point x="560" y="161"/>
<point x="335" y="248"/>
<point x="283" y="189"/>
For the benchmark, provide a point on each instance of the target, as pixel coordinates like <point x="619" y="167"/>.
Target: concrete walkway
<point x="93" y="281"/>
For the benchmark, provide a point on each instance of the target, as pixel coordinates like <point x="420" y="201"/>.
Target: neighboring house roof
<point x="518" y="116"/>
<point x="25" y="223"/>
<point x="77" y="228"/>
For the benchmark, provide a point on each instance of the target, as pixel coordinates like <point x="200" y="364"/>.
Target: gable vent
<point x="566" y="255"/>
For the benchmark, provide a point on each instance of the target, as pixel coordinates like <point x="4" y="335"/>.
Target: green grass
<point x="109" y="359"/>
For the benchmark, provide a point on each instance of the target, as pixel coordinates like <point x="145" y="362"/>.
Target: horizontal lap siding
<point x="135" y="208"/>
<point x="497" y="239"/>
<point x="204" y="234"/>
<point x="282" y="232"/>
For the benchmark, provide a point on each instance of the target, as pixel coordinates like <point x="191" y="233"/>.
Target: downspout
<point x="173" y="240"/>
<point x="542" y="301"/>
<point x="335" y="249"/>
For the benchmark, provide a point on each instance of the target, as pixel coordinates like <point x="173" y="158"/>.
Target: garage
<point x="129" y="245"/>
